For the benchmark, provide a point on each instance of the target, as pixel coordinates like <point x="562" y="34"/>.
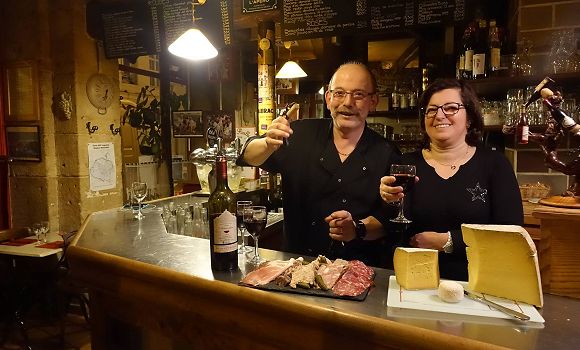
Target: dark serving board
<point x="316" y="292"/>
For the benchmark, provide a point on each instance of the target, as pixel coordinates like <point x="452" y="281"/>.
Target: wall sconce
<point x="192" y="44"/>
<point x="290" y="69"/>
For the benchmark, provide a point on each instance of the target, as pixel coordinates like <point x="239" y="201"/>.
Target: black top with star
<point x="482" y="191"/>
<point x="316" y="183"/>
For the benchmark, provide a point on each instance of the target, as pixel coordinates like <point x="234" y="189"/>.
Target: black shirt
<point x="482" y="191"/>
<point x="316" y="183"/>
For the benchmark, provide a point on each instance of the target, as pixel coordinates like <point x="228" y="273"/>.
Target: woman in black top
<point x="460" y="181"/>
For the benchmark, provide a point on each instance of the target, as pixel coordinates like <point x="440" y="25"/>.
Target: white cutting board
<point x="427" y="300"/>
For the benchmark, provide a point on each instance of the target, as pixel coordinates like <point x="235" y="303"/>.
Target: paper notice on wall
<point x="102" y="168"/>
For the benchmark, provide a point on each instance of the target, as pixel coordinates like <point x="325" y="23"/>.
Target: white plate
<point x="427" y="301"/>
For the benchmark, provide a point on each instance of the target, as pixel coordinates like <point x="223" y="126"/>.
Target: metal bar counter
<point x="160" y="287"/>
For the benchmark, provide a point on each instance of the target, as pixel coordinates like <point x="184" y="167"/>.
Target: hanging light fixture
<point x="290" y="69"/>
<point x="192" y="44"/>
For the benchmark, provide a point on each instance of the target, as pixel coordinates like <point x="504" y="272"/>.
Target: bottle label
<point x="469" y="60"/>
<point x="225" y="233"/>
<point x="478" y="64"/>
<point x="395" y="97"/>
<point x="494" y="58"/>
<point x="525" y="132"/>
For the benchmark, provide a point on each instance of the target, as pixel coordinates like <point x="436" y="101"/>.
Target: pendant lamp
<point x="290" y="69"/>
<point x="193" y="44"/>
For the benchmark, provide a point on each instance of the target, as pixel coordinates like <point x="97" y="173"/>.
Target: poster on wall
<point x="102" y="167"/>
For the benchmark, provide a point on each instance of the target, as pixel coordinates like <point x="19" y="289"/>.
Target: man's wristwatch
<point x="360" y="229"/>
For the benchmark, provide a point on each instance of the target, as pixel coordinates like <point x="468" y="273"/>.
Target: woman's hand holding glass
<point x="402" y="179"/>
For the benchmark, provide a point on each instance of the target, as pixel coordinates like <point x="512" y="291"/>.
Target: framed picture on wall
<point x="222" y="122"/>
<point x="24" y="142"/>
<point x="187" y="124"/>
<point x="21" y="91"/>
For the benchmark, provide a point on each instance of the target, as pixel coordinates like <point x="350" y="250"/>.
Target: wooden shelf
<point x="497" y="87"/>
<point x="402" y="113"/>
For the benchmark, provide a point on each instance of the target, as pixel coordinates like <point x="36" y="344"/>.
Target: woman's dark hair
<point x="469" y="100"/>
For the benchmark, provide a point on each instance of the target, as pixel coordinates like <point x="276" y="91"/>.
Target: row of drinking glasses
<point x="186" y="220"/>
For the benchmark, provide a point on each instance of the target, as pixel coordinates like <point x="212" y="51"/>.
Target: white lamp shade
<point x="291" y="70"/>
<point x="193" y="45"/>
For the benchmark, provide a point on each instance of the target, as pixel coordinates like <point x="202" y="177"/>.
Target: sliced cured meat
<point x="284" y="279"/>
<point x="355" y="280"/>
<point x="304" y="275"/>
<point x="330" y="273"/>
<point x="267" y="272"/>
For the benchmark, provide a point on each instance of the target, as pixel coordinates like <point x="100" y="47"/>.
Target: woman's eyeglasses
<point x="449" y="109"/>
<point x="357" y="94"/>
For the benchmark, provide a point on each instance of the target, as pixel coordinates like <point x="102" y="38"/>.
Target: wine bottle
<point x="275" y="200"/>
<point x="467" y="39"/>
<point x="479" y="51"/>
<point x="522" y="127"/>
<point x="223" y="231"/>
<point x="494" y="49"/>
<point x="395" y="98"/>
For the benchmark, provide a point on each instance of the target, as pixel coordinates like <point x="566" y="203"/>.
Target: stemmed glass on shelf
<point x="405" y="177"/>
<point x="255" y="218"/>
<point x="240" y="207"/>
<point x="139" y="190"/>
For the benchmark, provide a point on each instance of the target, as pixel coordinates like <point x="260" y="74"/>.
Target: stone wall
<point x="52" y="34"/>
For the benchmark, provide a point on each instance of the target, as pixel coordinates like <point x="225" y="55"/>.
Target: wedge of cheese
<point x="416" y="268"/>
<point x="503" y="261"/>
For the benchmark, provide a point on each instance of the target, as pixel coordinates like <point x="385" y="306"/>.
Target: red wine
<point x="404" y="180"/>
<point x="255" y="227"/>
<point x="240" y="219"/>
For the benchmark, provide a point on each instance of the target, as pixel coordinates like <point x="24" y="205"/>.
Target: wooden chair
<point x="68" y="289"/>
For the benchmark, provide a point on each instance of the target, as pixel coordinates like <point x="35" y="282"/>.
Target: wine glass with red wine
<point x="255" y="218"/>
<point x="405" y="177"/>
<point x="240" y="207"/>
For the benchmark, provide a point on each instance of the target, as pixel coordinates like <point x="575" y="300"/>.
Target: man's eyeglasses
<point x="449" y="109"/>
<point x="357" y="94"/>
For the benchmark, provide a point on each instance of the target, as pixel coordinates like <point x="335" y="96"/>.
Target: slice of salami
<point x="355" y="280"/>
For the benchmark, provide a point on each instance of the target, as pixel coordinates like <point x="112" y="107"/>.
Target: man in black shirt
<point x="331" y="169"/>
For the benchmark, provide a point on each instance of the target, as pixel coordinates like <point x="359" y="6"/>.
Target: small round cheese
<point x="450" y="291"/>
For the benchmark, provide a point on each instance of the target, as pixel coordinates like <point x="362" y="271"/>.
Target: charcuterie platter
<point x="350" y="280"/>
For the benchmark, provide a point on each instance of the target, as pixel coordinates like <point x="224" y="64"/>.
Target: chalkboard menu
<point x="316" y="18"/>
<point x="137" y="28"/>
<point x="258" y="5"/>
<point x="127" y="31"/>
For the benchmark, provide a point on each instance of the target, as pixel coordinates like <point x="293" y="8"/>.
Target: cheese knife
<point x="505" y="310"/>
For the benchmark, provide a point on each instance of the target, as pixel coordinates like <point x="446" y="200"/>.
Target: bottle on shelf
<point x="413" y="95"/>
<point x="223" y="233"/>
<point x="468" y="38"/>
<point x="395" y="98"/>
<point x="522" y="127"/>
<point x="494" y="49"/>
<point x="404" y="97"/>
<point x="480" y="50"/>
<point x="275" y="197"/>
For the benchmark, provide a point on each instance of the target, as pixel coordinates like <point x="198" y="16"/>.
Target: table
<point x="31" y="249"/>
<point x="143" y="281"/>
<point x="30" y="268"/>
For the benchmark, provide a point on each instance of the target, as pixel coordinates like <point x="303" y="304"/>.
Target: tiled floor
<point x="45" y="335"/>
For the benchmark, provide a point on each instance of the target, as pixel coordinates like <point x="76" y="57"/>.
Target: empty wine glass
<point x="405" y="177"/>
<point x="139" y="192"/>
<point x="240" y="207"/>
<point x="45" y="227"/>
<point x="37" y="231"/>
<point x="255" y="218"/>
